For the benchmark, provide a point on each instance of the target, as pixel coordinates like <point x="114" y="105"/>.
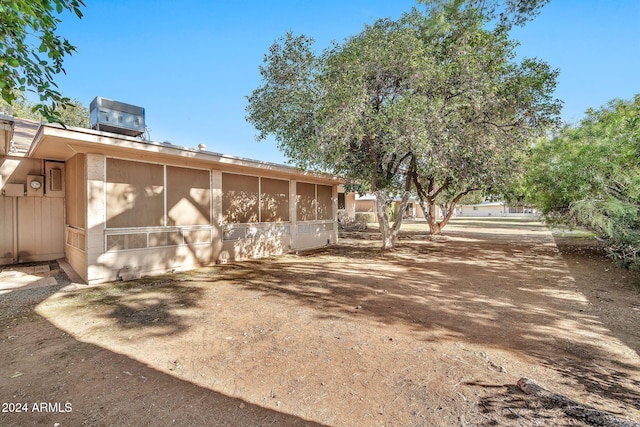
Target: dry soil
<point x="435" y="333"/>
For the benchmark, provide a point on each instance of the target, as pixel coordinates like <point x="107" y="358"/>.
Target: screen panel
<point x="325" y="202"/>
<point x="306" y="206"/>
<point x="188" y="196"/>
<point x="75" y="191"/>
<point x="239" y="198"/>
<point x="274" y="200"/>
<point x="135" y="194"/>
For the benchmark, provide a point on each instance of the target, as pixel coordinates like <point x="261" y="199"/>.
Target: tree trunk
<point x="383" y="220"/>
<point x="389" y="232"/>
<point x="401" y="209"/>
<point x="449" y="215"/>
<point x="436" y="227"/>
<point x="432" y="218"/>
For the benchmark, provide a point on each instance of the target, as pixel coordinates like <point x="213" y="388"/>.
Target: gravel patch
<point x="16" y="302"/>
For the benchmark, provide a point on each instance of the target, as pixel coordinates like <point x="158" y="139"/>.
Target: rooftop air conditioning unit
<point x="117" y="117"/>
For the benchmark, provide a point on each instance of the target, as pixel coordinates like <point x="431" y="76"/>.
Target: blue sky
<point x="191" y="64"/>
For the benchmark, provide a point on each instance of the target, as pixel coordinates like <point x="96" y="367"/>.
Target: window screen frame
<point x="164" y="191"/>
<point x="316" y="203"/>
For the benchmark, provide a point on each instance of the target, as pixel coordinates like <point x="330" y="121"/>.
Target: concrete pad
<point x="24" y="281"/>
<point x="17" y="278"/>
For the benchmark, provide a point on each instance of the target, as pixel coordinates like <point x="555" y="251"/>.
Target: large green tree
<point x="32" y="52"/>
<point x="589" y="175"/>
<point x="486" y="109"/>
<point x="432" y="101"/>
<point x="348" y="110"/>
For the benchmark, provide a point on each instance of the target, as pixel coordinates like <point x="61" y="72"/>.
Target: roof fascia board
<point x="87" y="140"/>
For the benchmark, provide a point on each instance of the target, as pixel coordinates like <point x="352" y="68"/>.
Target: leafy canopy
<point x="589" y="175"/>
<point x="488" y="109"/>
<point x="433" y="100"/>
<point x="73" y="113"/>
<point x="32" y="53"/>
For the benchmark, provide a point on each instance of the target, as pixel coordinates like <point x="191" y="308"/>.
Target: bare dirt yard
<point x="435" y="333"/>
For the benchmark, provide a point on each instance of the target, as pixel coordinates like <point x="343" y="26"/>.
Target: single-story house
<point x="499" y="209"/>
<point x="117" y="206"/>
<point x="366" y="204"/>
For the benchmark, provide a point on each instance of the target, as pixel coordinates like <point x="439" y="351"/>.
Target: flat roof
<point x="53" y="142"/>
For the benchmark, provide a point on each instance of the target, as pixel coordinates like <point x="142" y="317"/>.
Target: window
<point x="240" y="194"/>
<point x="188" y="196"/>
<point x="274" y="200"/>
<point x="306" y="201"/>
<point x="135" y="194"/>
<point x="250" y="199"/>
<point x="151" y="195"/>
<point x="325" y="202"/>
<point x="342" y="203"/>
<point x="315" y="202"/>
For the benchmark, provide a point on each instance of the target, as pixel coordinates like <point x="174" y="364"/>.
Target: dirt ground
<point x="436" y="333"/>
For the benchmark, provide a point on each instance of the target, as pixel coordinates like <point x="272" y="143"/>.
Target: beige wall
<point x="413" y="210"/>
<point x="350" y="204"/>
<point x="364" y="205"/>
<point x="96" y="271"/>
<point x="14" y="170"/>
<point x="40" y="228"/>
<point x="271" y="225"/>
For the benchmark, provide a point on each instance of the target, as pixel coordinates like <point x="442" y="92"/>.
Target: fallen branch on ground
<point x="580" y="411"/>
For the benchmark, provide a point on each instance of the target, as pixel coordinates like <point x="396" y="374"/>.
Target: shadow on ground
<point x="85" y="384"/>
<point x="517" y="295"/>
<point x="499" y="289"/>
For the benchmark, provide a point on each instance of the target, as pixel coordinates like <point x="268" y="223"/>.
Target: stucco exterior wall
<point x="350" y="204"/>
<point x="76" y="215"/>
<point x="97" y="271"/>
<point x="95" y="209"/>
<point x="116" y="253"/>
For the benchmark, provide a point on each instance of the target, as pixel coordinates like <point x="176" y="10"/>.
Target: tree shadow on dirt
<point x="508" y="405"/>
<point x="86" y="384"/>
<point x="155" y="305"/>
<point x="517" y="295"/>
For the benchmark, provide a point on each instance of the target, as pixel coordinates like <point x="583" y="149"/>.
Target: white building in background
<point x="366" y="204"/>
<point x="496" y="209"/>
